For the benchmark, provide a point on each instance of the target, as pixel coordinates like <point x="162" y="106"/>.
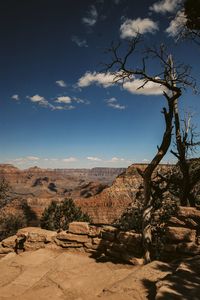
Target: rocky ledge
<point x="181" y="237"/>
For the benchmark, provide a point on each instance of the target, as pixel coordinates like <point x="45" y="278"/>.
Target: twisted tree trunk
<point x="147" y="178"/>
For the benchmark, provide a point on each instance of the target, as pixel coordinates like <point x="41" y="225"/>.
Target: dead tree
<point x="185" y="142"/>
<point x="172" y="79"/>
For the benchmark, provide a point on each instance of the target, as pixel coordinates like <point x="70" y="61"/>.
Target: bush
<point x="59" y="215"/>
<point x="9" y="224"/>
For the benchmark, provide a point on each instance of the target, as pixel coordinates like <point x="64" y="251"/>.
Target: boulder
<point x="129" y="238"/>
<point x="178" y="234"/>
<point x="189" y="212"/>
<point x="79" y="228"/>
<point x="94" y="231"/>
<point x="9" y="242"/>
<point x="6" y="250"/>
<point x="36" y="234"/>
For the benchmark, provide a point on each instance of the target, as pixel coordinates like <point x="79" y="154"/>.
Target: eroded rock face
<point x="37" y="187"/>
<point x="108" y="206"/>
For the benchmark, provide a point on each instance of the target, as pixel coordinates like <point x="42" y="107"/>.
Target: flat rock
<point x="179" y="234"/>
<point x="79" y="228"/>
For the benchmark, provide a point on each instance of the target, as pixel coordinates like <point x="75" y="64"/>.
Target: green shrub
<point x="59" y="215"/>
<point x="9" y="224"/>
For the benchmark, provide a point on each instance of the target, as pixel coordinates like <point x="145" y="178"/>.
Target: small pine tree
<point x="59" y="215"/>
<point x="9" y="224"/>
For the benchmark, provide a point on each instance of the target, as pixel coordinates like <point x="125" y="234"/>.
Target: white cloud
<point x="130" y="28"/>
<point x="32" y="158"/>
<point x="176" y="26"/>
<point x="145" y="160"/>
<point x="117" y="106"/>
<point x="165" y="6"/>
<point x="24" y="160"/>
<point x="43" y="102"/>
<point x="63" y="99"/>
<point x="112" y="102"/>
<point x="36" y="98"/>
<point x="69" y="159"/>
<point x="15" y="97"/>
<point x="117" y="159"/>
<point x="107" y="80"/>
<point x="61" y="83"/>
<point x="79" y="42"/>
<point x="59" y="107"/>
<point x="93" y="158"/>
<point x="150" y="88"/>
<point x="104" y="79"/>
<point x="91" y="17"/>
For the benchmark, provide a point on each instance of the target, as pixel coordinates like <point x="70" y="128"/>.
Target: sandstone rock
<point x="5" y="250"/>
<point x="36" y="234"/>
<point x="191" y="223"/>
<point x="79" y="227"/>
<point x="188" y="248"/>
<point x="129" y="238"/>
<point x="32" y="246"/>
<point x="67" y="244"/>
<point x="9" y="242"/>
<point x="64" y="236"/>
<point x="96" y="241"/>
<point x="179" y="234"/>
<point x="174" y="221"/>
<point x="189" y="212"/>
<point x="131" y="259"/>
<point x="94" y="231"/>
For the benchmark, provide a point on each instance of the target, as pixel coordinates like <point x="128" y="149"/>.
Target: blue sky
<point x="58" y="108"/>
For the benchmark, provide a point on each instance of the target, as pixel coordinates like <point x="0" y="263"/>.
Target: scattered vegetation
<point x="59" y="215"/>
<point x="10" y="223"/>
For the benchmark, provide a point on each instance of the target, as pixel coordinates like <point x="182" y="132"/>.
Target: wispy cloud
<point x="66" y="102"/>
<point x="94" y="158"/>
<point x="165" y="6"/>
<point x="24" y="160"/>
<point x="15" y="97"/>
<point x="112" y="102"/>
<point x="177" y="25"/>
<point x="130" y="28"/>
<point x="79" y="42"/>
<point x="108" y="161"/>
<point x="92" y="16"/>
<point x="61" y="83"/>
<point x="70" y="159"/>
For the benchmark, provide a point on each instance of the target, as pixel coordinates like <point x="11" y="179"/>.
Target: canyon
<point x="103" y="193"/>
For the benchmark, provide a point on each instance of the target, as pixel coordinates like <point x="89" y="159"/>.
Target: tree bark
<point x="147" y="178"/>
<point x="184" y="167"/>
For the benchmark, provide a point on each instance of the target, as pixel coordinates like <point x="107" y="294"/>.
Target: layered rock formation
<point x="38" y="187"/>
<point x="109" y="205"/>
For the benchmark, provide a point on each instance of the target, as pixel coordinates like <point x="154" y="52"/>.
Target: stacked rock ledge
<point x="181" y="236"/>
